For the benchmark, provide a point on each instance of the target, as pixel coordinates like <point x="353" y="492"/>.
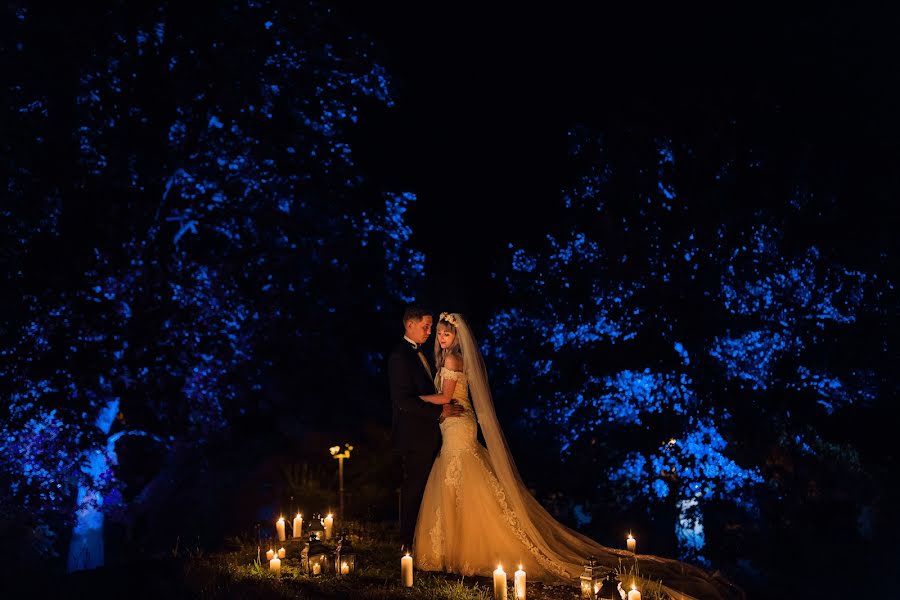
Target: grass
<point x="237" y="574"/>
<point x="242" y="572"/>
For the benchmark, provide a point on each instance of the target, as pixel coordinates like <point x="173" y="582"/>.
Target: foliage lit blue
<point x="223" y="233"/>
<point x="765" y="305"/>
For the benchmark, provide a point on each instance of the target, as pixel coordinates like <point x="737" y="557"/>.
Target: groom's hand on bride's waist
<point x="451" y="410"/>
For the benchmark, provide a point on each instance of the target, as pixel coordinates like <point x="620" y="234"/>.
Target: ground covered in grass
<point x="233" y="572"/>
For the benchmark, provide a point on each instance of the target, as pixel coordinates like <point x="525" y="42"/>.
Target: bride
<point x="476" y="512"/>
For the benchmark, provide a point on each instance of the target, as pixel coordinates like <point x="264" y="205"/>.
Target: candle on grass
<point x="406" y="570"/>
<point x="634" y="594"/>
<point x="499" y="583"/>
<point x="281" y="552"/>
<point x="298" y="526"/>
<point x="270" y="554"/>
<point x="345" y="569"/>
<point x="279" y="527"/>
<point x="317" y="569"/>
<point x="630" y="542"/>
<point x="520" y="584"/>
<point x="329" y="526"/>
<point x="275" y="565"/>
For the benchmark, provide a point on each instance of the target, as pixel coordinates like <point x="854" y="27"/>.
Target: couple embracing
<point x="464" y="507"/>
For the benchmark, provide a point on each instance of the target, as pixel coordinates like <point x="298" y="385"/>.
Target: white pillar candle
<point x="317" y="569"/>
<point x="634" y="594"/>
<point x="345" y="569"/>
<point x="630" y="543"/>
<point x="329" y="526"/>
<point x="281" y="553"/>
<point x="270" y="554"/>
<point x="499" y="583"/>
<point x="275" y="565"/>
<point x="406" y="570"/>
<point x="279" y="527"/>
<point x="298" y="526"/>
<point x="520" y="584"/>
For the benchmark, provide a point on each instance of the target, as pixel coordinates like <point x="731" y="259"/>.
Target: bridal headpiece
<point x="449" y="317"/>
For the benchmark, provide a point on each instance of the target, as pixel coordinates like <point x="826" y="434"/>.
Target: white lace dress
<point x="465" y="525"/>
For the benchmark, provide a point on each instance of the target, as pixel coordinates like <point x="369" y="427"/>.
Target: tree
<point x="681" y="327"/>
<point x="200" y="205"/>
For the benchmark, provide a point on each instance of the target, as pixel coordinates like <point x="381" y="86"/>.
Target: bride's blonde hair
<point x="445" y="321"/>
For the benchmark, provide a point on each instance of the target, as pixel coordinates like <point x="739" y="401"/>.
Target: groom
<point x="416" y="430"/>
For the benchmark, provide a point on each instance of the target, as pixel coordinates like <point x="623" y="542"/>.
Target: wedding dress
<point x="476" y="512"/>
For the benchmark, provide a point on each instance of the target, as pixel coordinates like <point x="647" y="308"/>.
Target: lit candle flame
<point x="632" y="586"/>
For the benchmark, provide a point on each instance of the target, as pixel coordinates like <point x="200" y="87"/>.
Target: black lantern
<point x="610" y="589"/>
<point x="316" y="526"/>
<point x="315" y="557"/>
<point x="344" y="557"/>
<point x="591" y="580"/>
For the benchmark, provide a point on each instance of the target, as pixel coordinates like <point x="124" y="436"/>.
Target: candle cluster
<point x="500" y="585"/>
<point x="590" y="587"/>
<point x="326" y="531"/>
<point x="275" y="557"/>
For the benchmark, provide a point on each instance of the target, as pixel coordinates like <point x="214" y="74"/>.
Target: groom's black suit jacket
<point x="415" y="422"/>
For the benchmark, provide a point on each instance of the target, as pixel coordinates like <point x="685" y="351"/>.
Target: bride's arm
<point x="445" y="396"/>
<point x="454" y="363"/>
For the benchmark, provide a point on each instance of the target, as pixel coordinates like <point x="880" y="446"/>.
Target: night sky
<point x="486" y="95"/>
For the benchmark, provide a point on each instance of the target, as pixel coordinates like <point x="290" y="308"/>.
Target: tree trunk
<point x="86" y="547"/>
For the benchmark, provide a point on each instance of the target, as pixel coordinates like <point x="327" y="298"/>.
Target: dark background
<point x="486" y="95"/>
<point x="484" y="99"/>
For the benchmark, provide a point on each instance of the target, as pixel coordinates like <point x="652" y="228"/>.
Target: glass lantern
<point x="591" y="580"/>
<point x="344" y="557"/>
<point x="610" y="588"/>
<point x="316" y="526"/>
<point x="316" y="558"/>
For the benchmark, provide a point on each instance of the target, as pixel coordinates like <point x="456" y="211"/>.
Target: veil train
<point x="560" y="544"/>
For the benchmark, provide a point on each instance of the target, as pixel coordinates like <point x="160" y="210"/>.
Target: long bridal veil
<point x="566" y="549"/>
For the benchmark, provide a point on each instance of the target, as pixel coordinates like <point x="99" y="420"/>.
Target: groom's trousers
<point x="416" y="468"/>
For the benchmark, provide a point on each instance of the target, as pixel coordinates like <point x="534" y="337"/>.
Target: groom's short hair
<point x="415" y="313"/>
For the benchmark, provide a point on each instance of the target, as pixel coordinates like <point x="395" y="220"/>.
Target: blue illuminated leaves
<point x="751" y="357"/>
<point x="761" y="282"/>
<point x="695" y="464"/>
<point x="831" y="392"/>
<point x="389" y="230"/>
<point x="523" y="262"/>
<point x="660" y="488"/>
<point x="214" y="208"/>
<point x="621" y="398"/>
<point x="679" y="348"/>
<point x="758" y="309"/>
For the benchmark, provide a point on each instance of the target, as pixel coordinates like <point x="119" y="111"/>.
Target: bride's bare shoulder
<point x="454" y="362"/>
